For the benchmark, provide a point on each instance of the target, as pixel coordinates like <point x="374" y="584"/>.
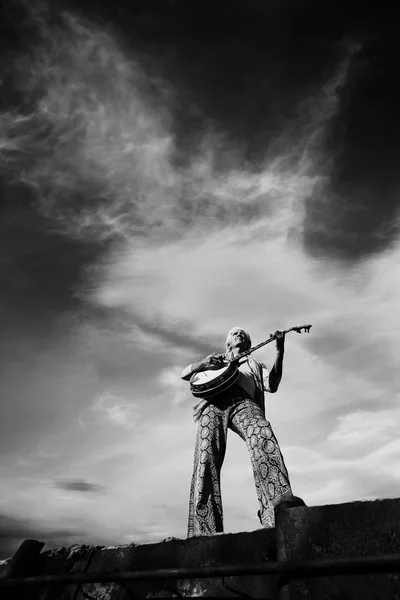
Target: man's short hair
<point x="233" y="330"/>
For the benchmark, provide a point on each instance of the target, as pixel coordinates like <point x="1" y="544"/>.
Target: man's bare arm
<point x="212" y="361"/>
<point x="187" y="372"/>
<point x="275" y="374"/>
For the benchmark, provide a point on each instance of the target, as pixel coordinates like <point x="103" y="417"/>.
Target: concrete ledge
<point x="341" y="530"/>
<point x="240" y="548"/>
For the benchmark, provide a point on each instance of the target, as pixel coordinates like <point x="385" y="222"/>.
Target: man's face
<point x="238" y="338"/>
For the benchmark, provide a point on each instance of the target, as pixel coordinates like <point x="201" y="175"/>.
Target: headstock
<point x="301" y="327"/>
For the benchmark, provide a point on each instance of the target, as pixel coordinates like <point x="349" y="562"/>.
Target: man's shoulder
<point x="260" y="365"/>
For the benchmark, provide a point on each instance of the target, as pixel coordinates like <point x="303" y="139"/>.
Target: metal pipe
<point x="389" y="563"/>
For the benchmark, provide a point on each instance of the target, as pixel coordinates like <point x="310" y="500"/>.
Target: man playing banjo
<point x="240" y="408"/>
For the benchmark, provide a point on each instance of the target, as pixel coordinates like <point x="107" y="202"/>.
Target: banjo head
<point x="212" y="382"/>
<point x="208" y="376"/>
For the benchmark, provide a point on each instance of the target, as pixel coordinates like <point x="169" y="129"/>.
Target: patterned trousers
<point x="271" y="478"/>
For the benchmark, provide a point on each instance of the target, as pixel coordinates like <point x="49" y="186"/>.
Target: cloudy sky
<point x="167" y="171"/>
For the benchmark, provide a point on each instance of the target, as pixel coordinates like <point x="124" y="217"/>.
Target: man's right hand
<point x="210" y="362"/>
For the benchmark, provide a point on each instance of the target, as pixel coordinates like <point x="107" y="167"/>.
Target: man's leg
<point x="205" y="504"/>
<point x="270" y="474"/>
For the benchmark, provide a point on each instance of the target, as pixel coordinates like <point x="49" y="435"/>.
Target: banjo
<point x="207" y="384"/>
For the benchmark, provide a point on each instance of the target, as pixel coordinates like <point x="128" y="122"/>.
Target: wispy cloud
<point x="13" y="531"/>
<point x="102" y="129"/>
<point x="366" y="427"/>
<point x="91" y="127"/>
<point x="172" y="386"/>
<point x="116" y="410"/>
<point x="78" y="485"/>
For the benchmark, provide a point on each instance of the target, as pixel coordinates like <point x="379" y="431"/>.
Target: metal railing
<point x="386" y="563"/>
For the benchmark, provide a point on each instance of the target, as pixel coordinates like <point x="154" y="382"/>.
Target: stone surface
<point x="26" y="562"/>
<point x="341" y="530"/>
<point x="3" y="566"/>
<point x="246" y="548"/>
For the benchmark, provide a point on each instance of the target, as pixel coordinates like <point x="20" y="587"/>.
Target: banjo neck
<point x="210" y="383"/>
<point x="270" y="339"/>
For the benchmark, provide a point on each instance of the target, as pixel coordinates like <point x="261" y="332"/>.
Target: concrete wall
<point x="345" y="530"/>
<point x="341" y="530"/>
<point x="246" y="548"/>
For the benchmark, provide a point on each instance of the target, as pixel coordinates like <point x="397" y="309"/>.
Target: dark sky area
<point x="246" y="65"/>
<point x="242" y="65"/>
